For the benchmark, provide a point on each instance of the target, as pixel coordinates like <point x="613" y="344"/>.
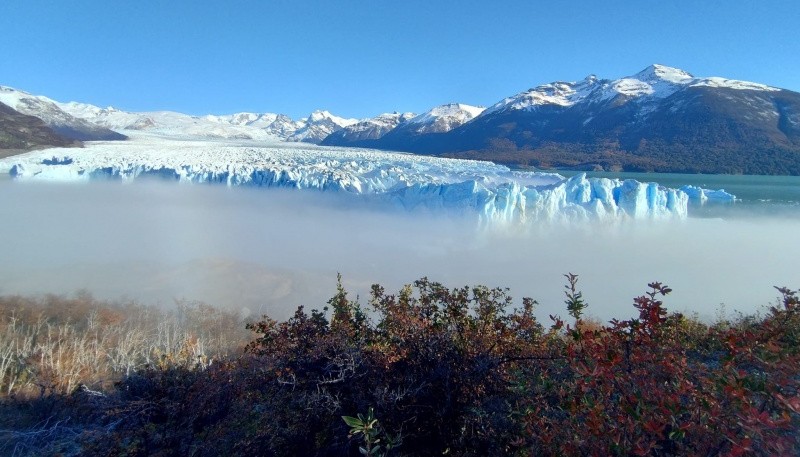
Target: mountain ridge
<point x="21" y="132"/>
<point x="658" y="119"/>
<point x="54" y="117"/>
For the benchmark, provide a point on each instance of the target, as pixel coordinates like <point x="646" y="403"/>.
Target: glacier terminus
<point x="494" y="193"/>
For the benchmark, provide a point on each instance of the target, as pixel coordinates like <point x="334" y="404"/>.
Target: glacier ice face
<point x="496" y="194"/>
<point x="701" y="195"/>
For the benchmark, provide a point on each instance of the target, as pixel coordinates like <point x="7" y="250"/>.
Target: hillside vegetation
<point x="427" y="371"/>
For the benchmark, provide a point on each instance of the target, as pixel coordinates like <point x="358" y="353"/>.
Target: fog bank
<point x="267" y="251"/>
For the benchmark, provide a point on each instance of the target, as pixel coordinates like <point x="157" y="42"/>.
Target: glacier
<point x="701" y="195"/>
<point x="494" y="193"/>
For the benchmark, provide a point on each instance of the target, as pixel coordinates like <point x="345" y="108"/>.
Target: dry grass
<point x="54" y="344"/>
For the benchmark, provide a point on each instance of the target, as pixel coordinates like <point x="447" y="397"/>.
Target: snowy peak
<point x="369" y="129"/>
<point x="21" y="100"/>
<point x="558" y="94"/>
<point x="321" y="116"/>
<point x="110" y="117"/>
<point x="653" y="83"/>
<point x="54" y="116"/>
<point x="732" y="84"/>
<point x="444" y="118"/>
<point x="169" y="123"/>
<point x="391" y="118"/>
<point x="280" y="126"/>
<point x="318" y="125"/>
<point x="587" y="101"/>
<point x="658" y="73"/>
<point x="661" y="74"/>
<point x="244" y="125"/>
<point x="261" y="120"/>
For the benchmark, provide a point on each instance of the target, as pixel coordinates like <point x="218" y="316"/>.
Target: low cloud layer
<point x="267" y="251"/>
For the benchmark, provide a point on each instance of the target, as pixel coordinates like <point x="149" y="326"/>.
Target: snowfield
<point x="494" y="193"/>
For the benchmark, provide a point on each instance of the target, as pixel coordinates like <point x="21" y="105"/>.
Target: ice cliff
<point x="495" y="193"/>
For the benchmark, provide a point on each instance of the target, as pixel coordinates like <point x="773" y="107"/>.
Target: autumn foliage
<point x="465" y="371"/>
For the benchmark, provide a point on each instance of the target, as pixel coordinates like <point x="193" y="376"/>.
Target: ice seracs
<point x="701" y="195"/>
<point x="496" y="194"/>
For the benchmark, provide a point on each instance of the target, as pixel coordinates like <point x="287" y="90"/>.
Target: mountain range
<point x="659" y="119"/>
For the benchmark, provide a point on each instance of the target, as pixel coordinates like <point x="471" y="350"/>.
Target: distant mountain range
<point x="660" y="119"/>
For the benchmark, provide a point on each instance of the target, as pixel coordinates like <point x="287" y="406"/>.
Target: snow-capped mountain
<point x="169" y="123"/>
<point x="660" y="118"/>
<point x="443" y="118"/>
<point x="492" y="193"/>
<point x="54" y="117"/>
<point x="368" y="129"/>
<point x="256" y="126"/>
<point x="653" y="83"/>
<point x="395" y="131"/>
<point x="19" y="132"/>
<point x="319" y="125"/>
<point x="278" y="125"/>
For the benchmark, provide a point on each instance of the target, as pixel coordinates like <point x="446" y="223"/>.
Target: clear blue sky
<point x="361" y="58"/>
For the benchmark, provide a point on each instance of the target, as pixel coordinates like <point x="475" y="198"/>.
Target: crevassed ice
<point x="702" y="195"/>
<point x="496" y="194"/>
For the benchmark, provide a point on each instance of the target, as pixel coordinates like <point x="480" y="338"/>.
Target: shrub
<point x="462" y="372"/>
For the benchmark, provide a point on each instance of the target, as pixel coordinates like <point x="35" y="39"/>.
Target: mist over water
<point x="267" y="251"/>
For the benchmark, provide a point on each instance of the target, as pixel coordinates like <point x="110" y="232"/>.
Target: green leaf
<point x="352" y="421"/>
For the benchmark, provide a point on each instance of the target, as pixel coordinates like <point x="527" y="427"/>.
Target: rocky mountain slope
<point x="365" y="133"/>
<point x="660" y="119"/>
<point x="20" y="132"/>
<point x="54" y="117"/>
<point x="401" y="132"/>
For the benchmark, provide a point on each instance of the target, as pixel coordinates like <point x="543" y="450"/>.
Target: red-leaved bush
<point x="439" y="371"/>
<point x="663" y="385"/>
